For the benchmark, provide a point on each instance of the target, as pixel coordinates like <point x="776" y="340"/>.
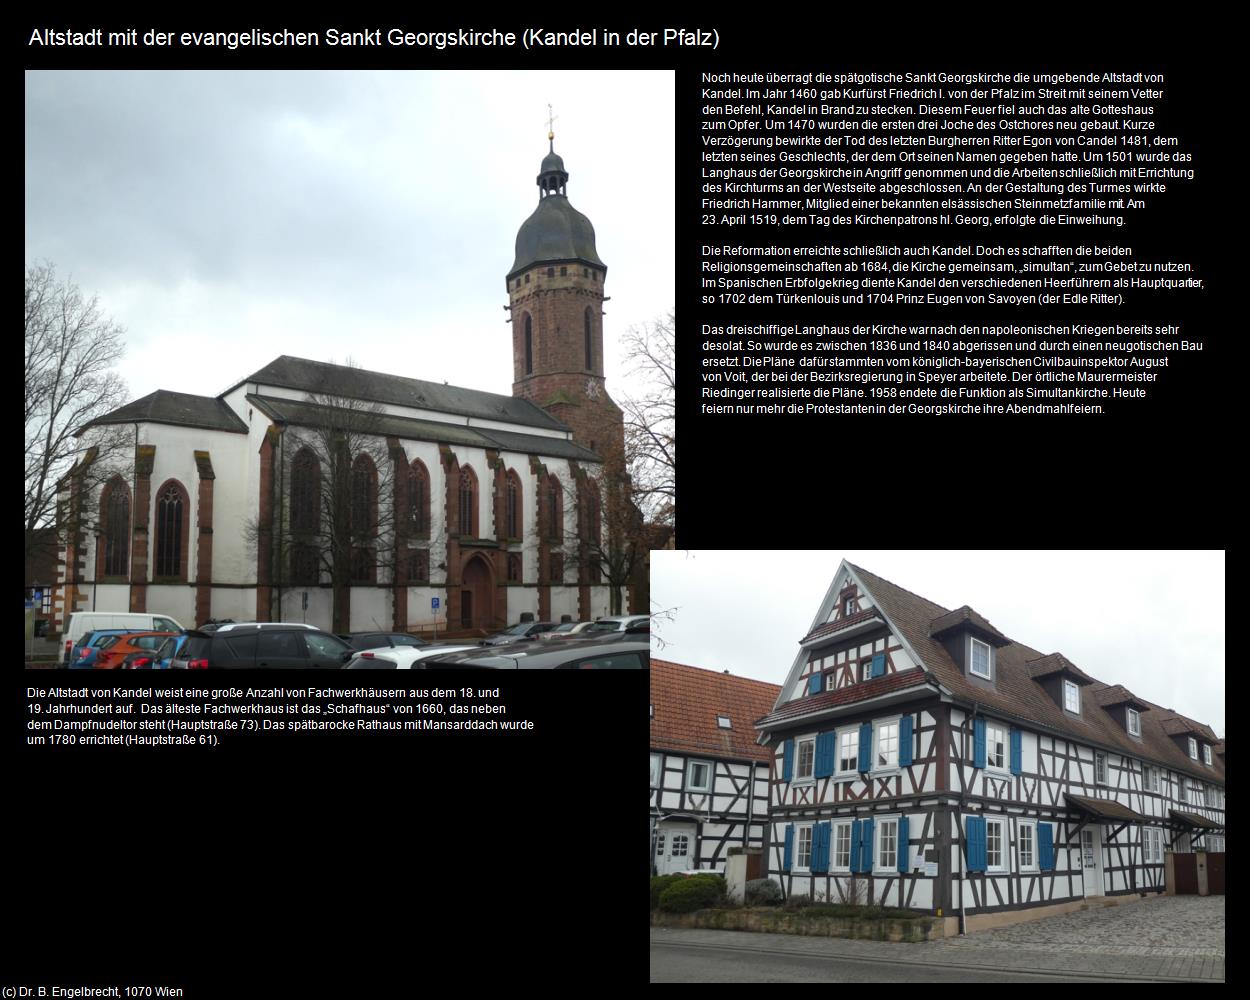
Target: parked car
<point x="376" y="640"/>
<point x="159" y="658"/>
<point x="576" y="654"/>
<point x="82" y="622"/>
<point x="265" y="644"/>
<point x="401" y="657"/>
<point x="85" y="651"/>
<point x="131" y="644"/>
<point x="566" y="630"/>
<point x="525" y="630"/>
<point x="621" y="623"/>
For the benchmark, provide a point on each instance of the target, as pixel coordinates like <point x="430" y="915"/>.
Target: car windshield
<point x="518" y="630"/>
<point x="604" y="627"/>
<point x="566" y="627"/>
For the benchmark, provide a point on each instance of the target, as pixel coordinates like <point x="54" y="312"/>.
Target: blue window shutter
<point x="974" y="832"/>
<point x="824" y="755"/>
<point x="905" y="741"/>
<point x="813" y="683"/>
<point x="978" y="743"/>
<point x="902" y="845"/>
<point x="1016" y="751"/>
<point x="787" y="761"/>
<point x="868" y="826"/>
<point x="785" y="861"/>
<point x="878" y="664"/>
<point x="1045" y="847"/>
<point x="855" y="835"/>
<point x="865" y="748"/>
<point x="820" y="848"/>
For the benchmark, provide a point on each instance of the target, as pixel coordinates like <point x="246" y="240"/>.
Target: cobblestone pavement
<point x="1160" y="926"/>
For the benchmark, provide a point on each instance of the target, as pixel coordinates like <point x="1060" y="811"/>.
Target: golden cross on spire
<point x="551" y="135"/>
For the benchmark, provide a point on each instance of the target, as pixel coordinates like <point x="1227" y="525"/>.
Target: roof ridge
<point x="718" y="673"/>
<point x="860" y="569"/>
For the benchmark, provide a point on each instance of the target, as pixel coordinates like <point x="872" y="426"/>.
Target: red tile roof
<point x="1017" y="695"/>
<point x="686" y="701"/>
<point x="964" y="616"/>
<point x="1056" y="663"/>
<point x="841" y="623"/>
<point x="847" y="695"/>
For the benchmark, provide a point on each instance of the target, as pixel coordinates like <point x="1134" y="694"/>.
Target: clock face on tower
<point x="592" y="388"/>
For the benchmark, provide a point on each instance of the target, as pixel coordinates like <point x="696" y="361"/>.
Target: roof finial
<point x="551" y="135"/>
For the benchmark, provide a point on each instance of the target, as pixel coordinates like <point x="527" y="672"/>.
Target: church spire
<point x="552" y="177"/>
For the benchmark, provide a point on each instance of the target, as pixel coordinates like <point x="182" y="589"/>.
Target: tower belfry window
<point x="590" y="358"/>
<point x="529" y="345"/>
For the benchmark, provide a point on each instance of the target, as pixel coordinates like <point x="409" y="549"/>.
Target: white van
<point x="82" y="622"/>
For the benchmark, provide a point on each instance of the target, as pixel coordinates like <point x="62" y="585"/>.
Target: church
<point x="355" y="499"/>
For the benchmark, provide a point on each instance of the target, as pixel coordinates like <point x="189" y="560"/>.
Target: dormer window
<point x="848" y="606"/>
<point x="1193" y="748"/>
<point x="1134" y="722"/>
<point x="980" y="662"/>
<point x="722" y="722"/>
<point x="1206" y="755"/>
<point x="1071" y="697"/>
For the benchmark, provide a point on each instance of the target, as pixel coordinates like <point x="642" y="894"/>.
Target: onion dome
<point x="556" y="231"/>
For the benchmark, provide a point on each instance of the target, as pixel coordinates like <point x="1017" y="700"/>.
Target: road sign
<point x="433" y="603"/>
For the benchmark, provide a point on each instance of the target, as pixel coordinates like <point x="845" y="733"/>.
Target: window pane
<point x="887" y="745"/>
<point x="842" y="856"/>
<point x="807" y="750"/>
<point x="994" y="844"/>
<point x="980" y="658"/>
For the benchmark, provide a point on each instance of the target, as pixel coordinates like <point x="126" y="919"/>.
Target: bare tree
<point x="341" y="506"/>
<point x="70" y="351"/>
<point x="650" y="420"/>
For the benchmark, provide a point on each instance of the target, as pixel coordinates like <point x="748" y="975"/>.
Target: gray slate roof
<point x="302" y="413"/>
<point x="319" y="378"/>
<point x="555" y="231"/>
<point x="179" y="408"/>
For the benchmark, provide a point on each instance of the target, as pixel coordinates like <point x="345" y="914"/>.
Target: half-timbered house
<point x="709" y="777"/>
<point x="921" y="758"/>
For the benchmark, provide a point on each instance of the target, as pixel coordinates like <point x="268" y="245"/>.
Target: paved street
<point x="1167" y="938"/>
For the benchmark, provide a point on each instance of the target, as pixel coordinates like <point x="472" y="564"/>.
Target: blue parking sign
<point x="433" y="603"/>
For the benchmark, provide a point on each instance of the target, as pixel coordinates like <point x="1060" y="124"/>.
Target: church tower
<point x="555" y="291"/>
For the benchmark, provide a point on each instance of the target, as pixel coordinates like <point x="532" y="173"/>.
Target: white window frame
<point x="848" y="607"/>
<point x="1134" y="722"/>
<point x="841" y="824"/>
<point x="1193" y="748"/>
<point x="1004" y="865"/>
<point x="1181" y="791"/>
<point x="798" y="840"/>
<point x="1005" y="766"/>
<point x="711" y="777"/>
<point x="878" y="729"/>
<point x="865" y="669"/>
<point x="878" y="842"/>
<point x="798" y="778"/>
<point x="1031" y="826"/>
<point x="1073" y="689"/>
<point x="657" y="769"/>
<point x="1100" y="780"/>
<point x="853" y="771"/>
<point x="1150" y="778"/>
<point x="973" y="642"/>
<point x="724" y="722"/>
<point x="1206" y="754"/>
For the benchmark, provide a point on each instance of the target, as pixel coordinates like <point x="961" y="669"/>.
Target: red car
<point x="132" y="642"/>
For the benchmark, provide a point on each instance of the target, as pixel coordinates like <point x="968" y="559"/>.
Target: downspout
<point x="963" y="801"/>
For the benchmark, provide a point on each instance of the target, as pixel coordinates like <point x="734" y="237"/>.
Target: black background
<point x="348" y="862"/>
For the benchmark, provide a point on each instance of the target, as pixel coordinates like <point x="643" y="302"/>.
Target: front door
<point x="674" y="848"/>
<point x="1091" y="859"/>
<point x="477" y="583"/>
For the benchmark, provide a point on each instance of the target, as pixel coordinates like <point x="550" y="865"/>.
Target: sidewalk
<point x="963" y="954"/>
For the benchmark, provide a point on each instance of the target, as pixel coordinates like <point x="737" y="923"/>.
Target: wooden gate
<point x="1185" y="867"/>
<point x="1215" y="874"/>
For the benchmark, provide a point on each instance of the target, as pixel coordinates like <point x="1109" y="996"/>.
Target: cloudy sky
<point x="1152" y="621"/>
<point x="226" y="218"/>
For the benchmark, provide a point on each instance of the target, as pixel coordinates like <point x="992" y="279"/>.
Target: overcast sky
<point x="1152" y="621"/>
<point x="227" y="218"/>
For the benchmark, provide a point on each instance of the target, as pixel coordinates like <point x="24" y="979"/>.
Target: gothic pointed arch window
<point x="514" y="522"/>
<point x="417" y="501"/>
<point x="555" y="509"/>
<point x="590" y="351"/>
<point x="468" y="503"/>
<point x="113" y="543"/>
<point x="173" y="517"/>
<point x="305" y="492"/>
<point x="364" y="497"/>
<point x="529" y="343"/>
<point x="592" y="507"/>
